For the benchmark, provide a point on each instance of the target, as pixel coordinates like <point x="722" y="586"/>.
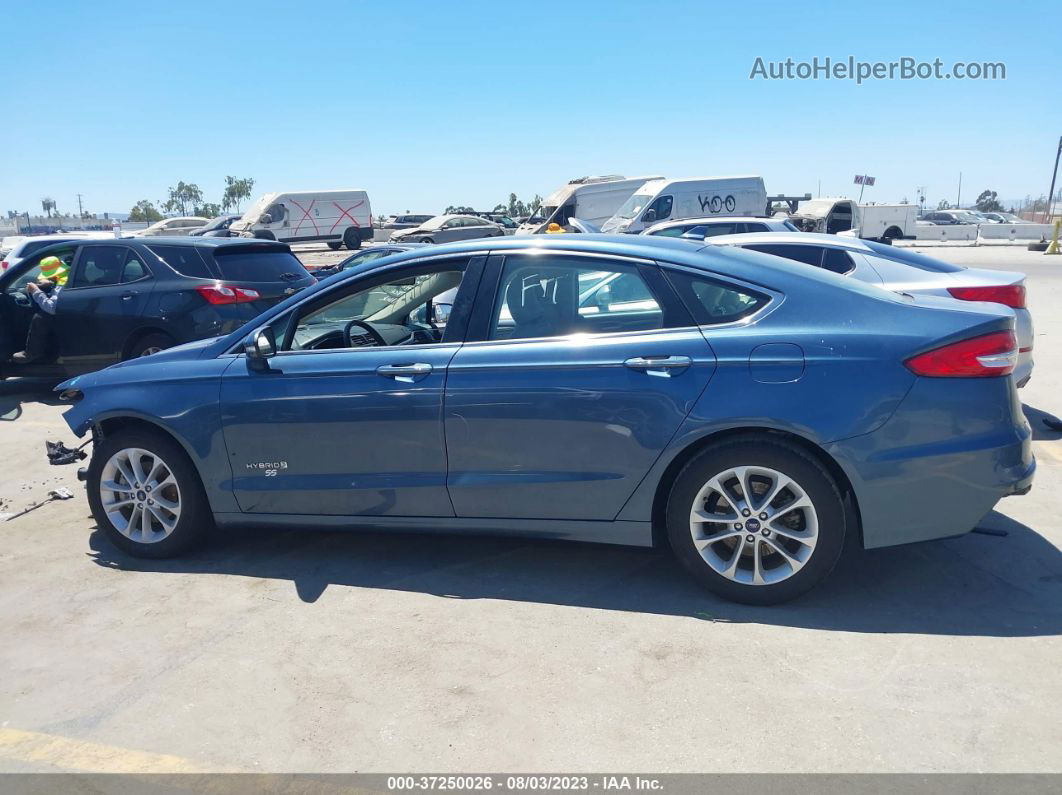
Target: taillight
<point x="979" y="357"/>
<point x="219" y="294"/>
<point x="3" y="266"/>
<point x="1012" y="295"/>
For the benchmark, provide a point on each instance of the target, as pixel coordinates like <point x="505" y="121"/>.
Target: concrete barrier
<point x="946" y="233"/>
<point x="1022" y="232"/>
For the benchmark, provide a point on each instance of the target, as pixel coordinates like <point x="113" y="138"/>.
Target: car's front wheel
<point x="145" y="495"/>
<point x="756" y="520"/>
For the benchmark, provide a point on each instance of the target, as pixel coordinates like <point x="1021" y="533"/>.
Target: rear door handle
<point x="404" y="372"/>
<point x="659" y="365"/>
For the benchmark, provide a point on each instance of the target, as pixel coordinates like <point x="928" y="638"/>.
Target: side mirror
<point x="260" y="349"/>
<point x="265" y="218"/>
<point x="603" y="298"/>
<point x="649" y="217"/>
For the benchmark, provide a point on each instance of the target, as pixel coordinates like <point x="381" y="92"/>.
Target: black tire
<point x="1040" y="246"/>
<point x="892" y="233"/>
<point x="352" y="238"/>
<point x="427" y="240"/>
<point x="263" y="234"/>
<point x="782" y="457"/>
<point x="335" y="245"/>
<point x="149" y="344"/>
<point x="195" y="519"/>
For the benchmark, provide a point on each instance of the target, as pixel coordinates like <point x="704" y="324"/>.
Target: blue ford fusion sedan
<point x="748" y="411"/>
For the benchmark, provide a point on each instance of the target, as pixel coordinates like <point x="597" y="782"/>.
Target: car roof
<point x="791" y="238"/>
<point x="199" y="242"/>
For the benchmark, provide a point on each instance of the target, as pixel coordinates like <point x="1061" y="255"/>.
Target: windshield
<point x="363" y="304"/>
<point x="435" y="222"/>
<point x="542" y="214"/>
<point x="634" y="205"/>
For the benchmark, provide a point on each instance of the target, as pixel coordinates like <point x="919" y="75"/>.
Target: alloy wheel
<point x="140" y="495"/>
<point x="754" y="525"/>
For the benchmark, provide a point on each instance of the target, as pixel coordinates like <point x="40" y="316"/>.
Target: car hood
<point x="398" y="234"/>
<point x="186" y="352"/>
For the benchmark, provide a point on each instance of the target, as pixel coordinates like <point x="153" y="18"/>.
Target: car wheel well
<point x="138" y="335"/>
<point x="663" y="488"/>
<point x="112" y="425"/>
<point x="893" y="233"/>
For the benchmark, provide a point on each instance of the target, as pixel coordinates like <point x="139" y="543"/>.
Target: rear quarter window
<point x="259" y="266"/>
<point x="811" y="255"/>
<point x="712" y="302"/>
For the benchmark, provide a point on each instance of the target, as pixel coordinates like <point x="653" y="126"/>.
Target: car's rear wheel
<point x="427" y="240"/>
<point x="756" y="520"/>
<point x="352" y="238"/>
<point x="145" y="495"/>
<point x="149" y="344"/>
<point x="335" y="245"/>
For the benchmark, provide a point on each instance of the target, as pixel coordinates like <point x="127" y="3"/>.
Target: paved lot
<point x="289" y="651"/>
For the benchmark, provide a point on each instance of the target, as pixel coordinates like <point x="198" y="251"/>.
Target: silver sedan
<point x="447" y="228"/>
<point x="902" y="270"/>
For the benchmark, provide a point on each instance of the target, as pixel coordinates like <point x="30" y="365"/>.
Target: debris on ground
<point x="60" y="493"/>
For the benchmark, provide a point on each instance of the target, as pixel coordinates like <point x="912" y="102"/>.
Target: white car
<point x="169" y="227"/>
<point x="700" y="228"/>
<point x="903" y="271"/>
<point x="28" y="245"/>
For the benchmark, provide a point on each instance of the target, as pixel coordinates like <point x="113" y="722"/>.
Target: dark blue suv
<point x="132" y="297"/>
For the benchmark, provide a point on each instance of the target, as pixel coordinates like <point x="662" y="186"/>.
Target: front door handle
<point x="128" y="295"/>
<point x="404" y="372"/>
<point x="659" y="365"/>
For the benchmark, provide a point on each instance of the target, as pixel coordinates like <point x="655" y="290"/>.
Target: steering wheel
<point x="373" y="333"/>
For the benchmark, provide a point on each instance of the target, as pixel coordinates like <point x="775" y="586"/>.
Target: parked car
<point x="360" y="258"/>
<point x="949" y="217"/>
<point x="335" y="217"/>
<point x="447" y="228"/>
<point x="136" y="296"/>
<point x="169" y="227"/>
<point x="28" y="245"/>
<point x="218" y="227"/>
<point x="1005" y="218"/>
<point x="508" y="225"/>
<point x="903" y="270"/>
<point x="406" y="221"/>
<point x="700" y="228"/>
<point x="751" y="412"/>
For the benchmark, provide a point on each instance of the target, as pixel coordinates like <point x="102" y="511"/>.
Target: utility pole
<point x="958" y="199"/>
<point x="80" y="211"/>
<point x="1051" y="193"/>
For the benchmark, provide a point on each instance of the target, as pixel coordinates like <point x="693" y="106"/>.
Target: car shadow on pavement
<point x="1040" y="432"/>
<point x="972" y="585"/>
<point x="16" y="391"/>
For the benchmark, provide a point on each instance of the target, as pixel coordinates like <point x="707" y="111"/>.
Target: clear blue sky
<point x="463" y="103"/>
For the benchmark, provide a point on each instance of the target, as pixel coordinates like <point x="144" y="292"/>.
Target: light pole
<point x="1054" y="174"/>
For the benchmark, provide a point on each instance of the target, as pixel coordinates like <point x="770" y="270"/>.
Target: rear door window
<point x="837" y="260"/>
<point x="186" y="260"/>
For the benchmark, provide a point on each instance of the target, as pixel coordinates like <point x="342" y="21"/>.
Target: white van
<point x="693" y="197"/>
<point x="338" y="217"/>
<point x="592" y="199"/>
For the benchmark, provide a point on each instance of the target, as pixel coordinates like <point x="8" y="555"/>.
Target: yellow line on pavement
<point x="1049" y="449"/>
<point x="69" y="753"/>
